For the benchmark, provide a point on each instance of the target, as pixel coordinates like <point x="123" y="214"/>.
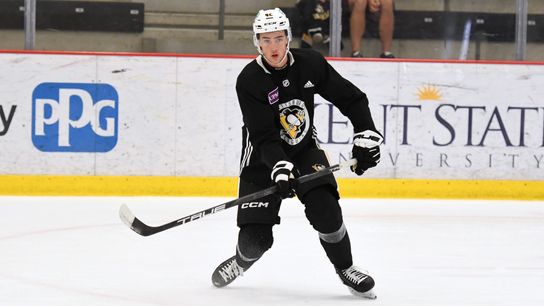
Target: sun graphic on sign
<point x="429" y="92"/>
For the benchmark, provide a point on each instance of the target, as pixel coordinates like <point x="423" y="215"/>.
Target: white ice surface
<point x="76" y="251"/>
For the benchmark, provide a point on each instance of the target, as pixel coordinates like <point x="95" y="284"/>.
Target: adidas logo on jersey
<point x="308" y="84"/>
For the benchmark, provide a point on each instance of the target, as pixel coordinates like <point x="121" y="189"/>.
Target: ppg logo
<point x="74" y="117"/>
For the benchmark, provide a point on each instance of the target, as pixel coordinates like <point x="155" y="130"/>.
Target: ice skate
<point x="359" y="283"/>
<point x="227" y="272"/>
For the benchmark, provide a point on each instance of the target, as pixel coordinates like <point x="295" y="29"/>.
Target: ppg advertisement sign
<point x="74" y="117"/>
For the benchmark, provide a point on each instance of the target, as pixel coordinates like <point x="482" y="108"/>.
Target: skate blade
<point x="367" y="295"/>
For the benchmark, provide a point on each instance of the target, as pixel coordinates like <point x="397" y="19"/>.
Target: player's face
<point x="274" y="48"/>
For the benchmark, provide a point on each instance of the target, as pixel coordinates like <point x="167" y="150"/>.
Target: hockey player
<point x="276" y="96"/>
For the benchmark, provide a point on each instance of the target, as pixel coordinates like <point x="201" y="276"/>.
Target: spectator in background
<point x="379" y="10"/>
<point x="315" y="21"/>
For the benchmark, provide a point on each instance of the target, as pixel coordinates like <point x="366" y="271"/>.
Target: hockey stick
<point x="145" y="230"/>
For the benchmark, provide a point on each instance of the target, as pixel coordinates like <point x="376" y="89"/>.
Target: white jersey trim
<point x="248" y="149"/>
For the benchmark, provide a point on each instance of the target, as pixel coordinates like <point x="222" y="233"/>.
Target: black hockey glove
<point x="282" y="175"/>
<point x="366" y="149"/>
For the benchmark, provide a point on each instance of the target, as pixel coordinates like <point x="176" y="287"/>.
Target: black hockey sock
<point x="253" y="241"/>
<point x="339" y="253"/>
<point x="324" y="213"/>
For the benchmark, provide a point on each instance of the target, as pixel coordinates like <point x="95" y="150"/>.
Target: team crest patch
<point x="294" y="120"/>
<point x="274" y="96"/>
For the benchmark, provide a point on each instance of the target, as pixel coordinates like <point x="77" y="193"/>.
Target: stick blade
<point x="134" y="223"/>
<point x="126" y="215"/>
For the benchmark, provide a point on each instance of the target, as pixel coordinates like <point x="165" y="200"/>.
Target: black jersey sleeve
<point x="260" y="121"/>
<point x="350" y="100"/>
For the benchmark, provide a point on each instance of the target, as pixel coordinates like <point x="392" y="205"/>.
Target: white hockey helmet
<point x="270" y="21"/>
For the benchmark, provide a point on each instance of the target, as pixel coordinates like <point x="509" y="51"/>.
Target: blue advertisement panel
<point x="74" y="117"/>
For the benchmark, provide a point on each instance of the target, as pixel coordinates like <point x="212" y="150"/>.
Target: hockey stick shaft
<point x="145" y="230"/>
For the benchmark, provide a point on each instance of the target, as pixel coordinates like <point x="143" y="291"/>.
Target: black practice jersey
<point x="278" y="106"/>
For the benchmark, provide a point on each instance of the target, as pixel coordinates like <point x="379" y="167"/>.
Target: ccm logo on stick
<point x="254" y="205"/>
<point x="74" y="117"/>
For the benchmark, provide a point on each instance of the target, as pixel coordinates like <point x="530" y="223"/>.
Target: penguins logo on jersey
<point x="294" y="120"/>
